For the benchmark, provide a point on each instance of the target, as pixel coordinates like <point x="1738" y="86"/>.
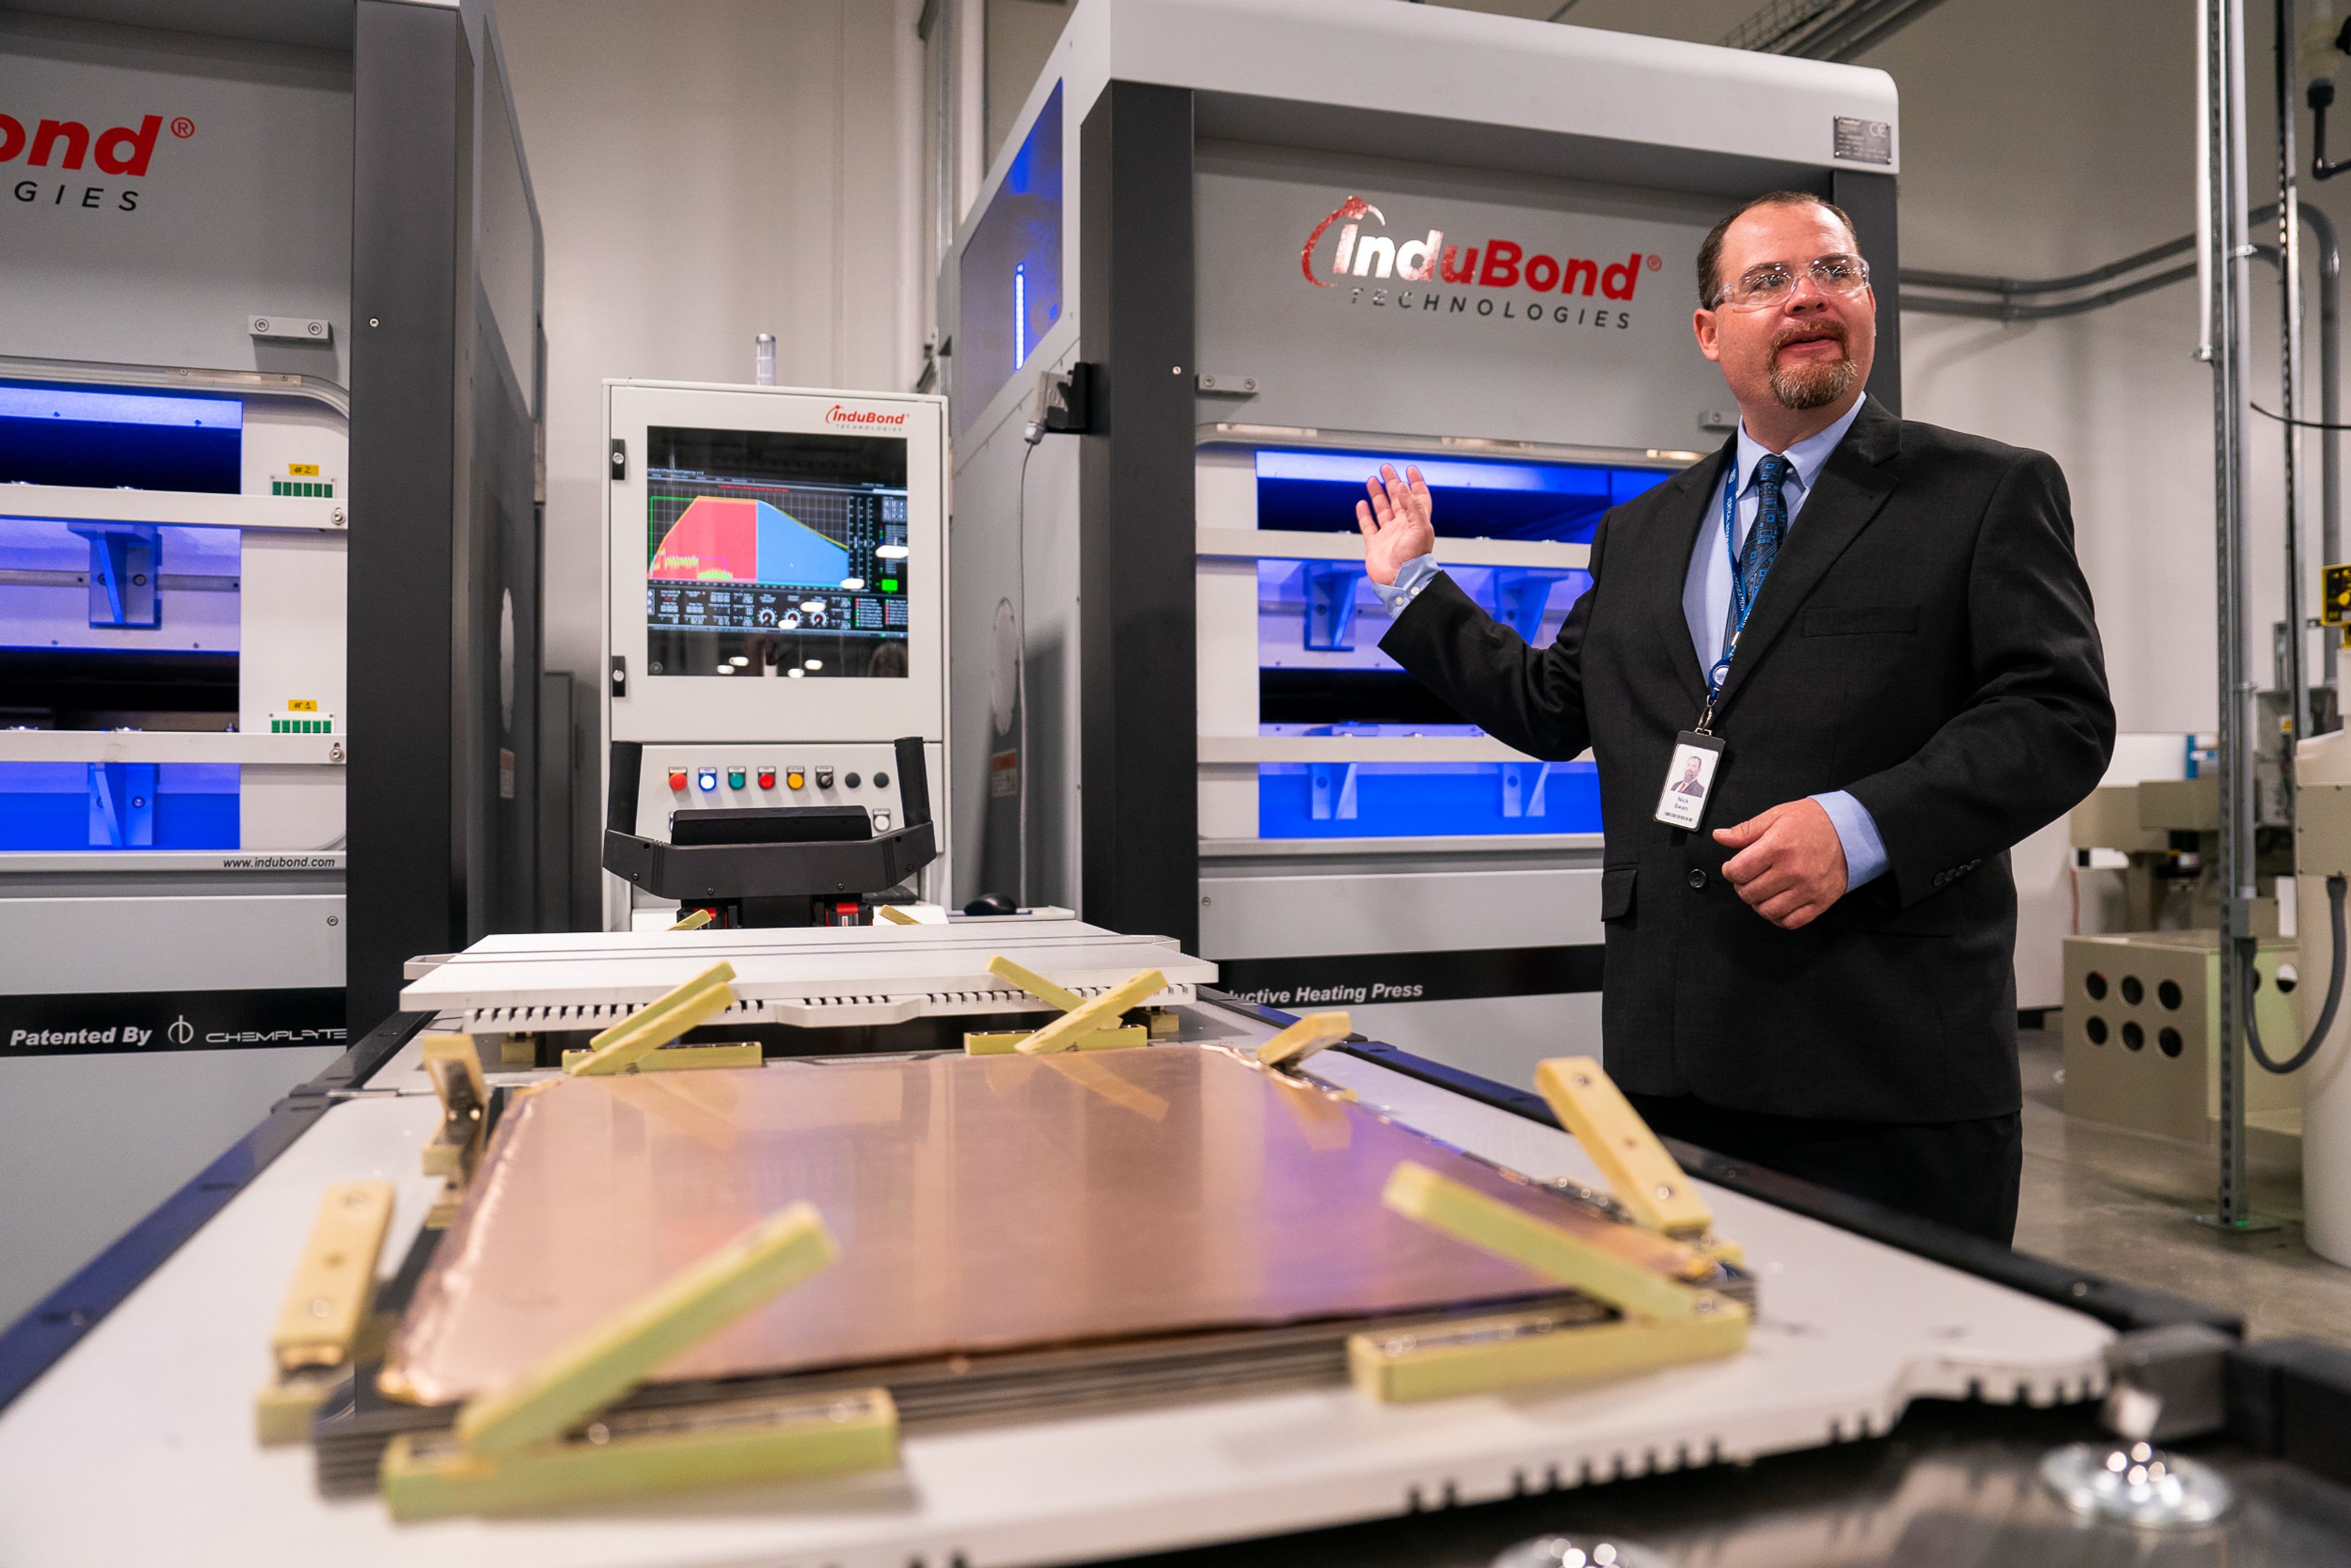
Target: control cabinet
<point x="776" y="616"/>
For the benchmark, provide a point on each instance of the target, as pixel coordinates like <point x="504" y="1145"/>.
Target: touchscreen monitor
<point x="775" y="554"/>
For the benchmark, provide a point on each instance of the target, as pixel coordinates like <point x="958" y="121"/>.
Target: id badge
<point x="1689" y="779"/>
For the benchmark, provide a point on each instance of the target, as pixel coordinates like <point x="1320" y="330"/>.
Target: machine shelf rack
<point x="185" y="508"/>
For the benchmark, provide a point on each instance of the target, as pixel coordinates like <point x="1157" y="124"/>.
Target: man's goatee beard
<point x="1812" y="385"/>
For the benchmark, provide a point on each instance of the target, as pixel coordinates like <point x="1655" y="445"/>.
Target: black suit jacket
<point x="1925" y="640"/>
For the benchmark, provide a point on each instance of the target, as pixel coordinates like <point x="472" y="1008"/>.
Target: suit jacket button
<point x="1696" y="877"/>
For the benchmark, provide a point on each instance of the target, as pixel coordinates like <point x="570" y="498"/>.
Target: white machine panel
<point x="806" y="976"/>
<point x="782" y="540"/>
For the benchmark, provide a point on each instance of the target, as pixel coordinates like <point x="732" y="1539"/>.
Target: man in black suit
<point x="1880" y="628"/>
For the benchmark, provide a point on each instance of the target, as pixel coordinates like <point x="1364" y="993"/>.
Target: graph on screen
<point x="737" y="539"/>
<point x="774" y="553"/>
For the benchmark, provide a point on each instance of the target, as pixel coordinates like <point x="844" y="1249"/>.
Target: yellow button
<point x="794" y="780"/>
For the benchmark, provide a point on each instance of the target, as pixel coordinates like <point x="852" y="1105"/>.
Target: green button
<point x="735" y="779"/>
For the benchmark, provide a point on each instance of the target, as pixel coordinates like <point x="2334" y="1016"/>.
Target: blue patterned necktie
<point x="1770" y="522"/>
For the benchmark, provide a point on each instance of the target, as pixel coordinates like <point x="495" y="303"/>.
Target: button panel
<point x="736" y="774"/>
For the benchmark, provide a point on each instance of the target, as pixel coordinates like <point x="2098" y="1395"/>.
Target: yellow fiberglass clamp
<point x="658" y="1022"/>
<point x="1659" y="1320"/>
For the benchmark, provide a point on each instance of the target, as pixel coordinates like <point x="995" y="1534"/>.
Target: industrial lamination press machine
<point x="1217" y="274"/>
<point x="270" y="695"/>
<point x="681" y="1245"/>
<point x="1278" y="1187"/>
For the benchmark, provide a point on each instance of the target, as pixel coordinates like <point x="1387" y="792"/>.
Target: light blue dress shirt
<point x="1705" y="607"/>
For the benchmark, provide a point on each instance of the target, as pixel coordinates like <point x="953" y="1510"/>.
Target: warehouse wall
<point x="2070" y="140"/>
<point x="706" y="171"/>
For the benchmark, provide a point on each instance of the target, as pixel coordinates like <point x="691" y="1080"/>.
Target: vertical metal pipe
<point x="2289" y="377"/>
<point x="2224" y="40"/>
<point x="2330" y="412"/>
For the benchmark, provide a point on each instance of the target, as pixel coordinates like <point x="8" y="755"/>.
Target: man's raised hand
<point x="1396" y="521"/>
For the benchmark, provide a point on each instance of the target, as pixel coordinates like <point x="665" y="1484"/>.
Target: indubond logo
<point x="1373" y="264"/>
<point x="837" y="414"/>
<point x="71" y="146"/>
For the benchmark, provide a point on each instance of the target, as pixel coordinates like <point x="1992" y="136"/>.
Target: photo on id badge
<point x="1682" y="802"/>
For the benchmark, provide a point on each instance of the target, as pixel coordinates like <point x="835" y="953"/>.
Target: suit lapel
<point x="1851" y="486"/>
<point x="1694" y="504"/>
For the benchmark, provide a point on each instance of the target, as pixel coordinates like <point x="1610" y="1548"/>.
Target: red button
<point x="767" y="777"/>
<point x="677" y="780"/>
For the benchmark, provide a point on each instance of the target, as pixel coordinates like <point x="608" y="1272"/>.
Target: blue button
<point x="707" y="779"/>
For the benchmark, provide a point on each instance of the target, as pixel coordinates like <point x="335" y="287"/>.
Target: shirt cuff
<point x="1856" y="830"/>
<point x="1411" y="577"/>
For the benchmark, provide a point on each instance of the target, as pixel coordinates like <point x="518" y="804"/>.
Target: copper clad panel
<point x="981" y="1203"/>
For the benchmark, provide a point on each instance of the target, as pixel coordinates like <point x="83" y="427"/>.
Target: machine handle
<point x="621" y="807"/>
<point x="833" y="1015"/>
<point x="914" y="781"/>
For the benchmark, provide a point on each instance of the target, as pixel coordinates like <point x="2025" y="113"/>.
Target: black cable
<point x="2335" y="891"/>
<point x="2303" y="423"/>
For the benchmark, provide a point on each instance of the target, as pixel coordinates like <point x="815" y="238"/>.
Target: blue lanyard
<point x="1740" y="602"/>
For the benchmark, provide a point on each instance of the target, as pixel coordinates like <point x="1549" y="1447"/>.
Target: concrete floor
<point x="2122" y="1204"/>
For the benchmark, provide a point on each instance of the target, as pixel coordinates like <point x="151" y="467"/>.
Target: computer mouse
<point x="991" y="903"/>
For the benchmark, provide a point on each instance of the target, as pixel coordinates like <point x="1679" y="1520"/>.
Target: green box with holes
<point x="2141" y="1012"/>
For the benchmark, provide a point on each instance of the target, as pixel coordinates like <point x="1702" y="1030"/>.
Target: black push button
<point x="850" y="780"/>
<point x="1696" y="877"/>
